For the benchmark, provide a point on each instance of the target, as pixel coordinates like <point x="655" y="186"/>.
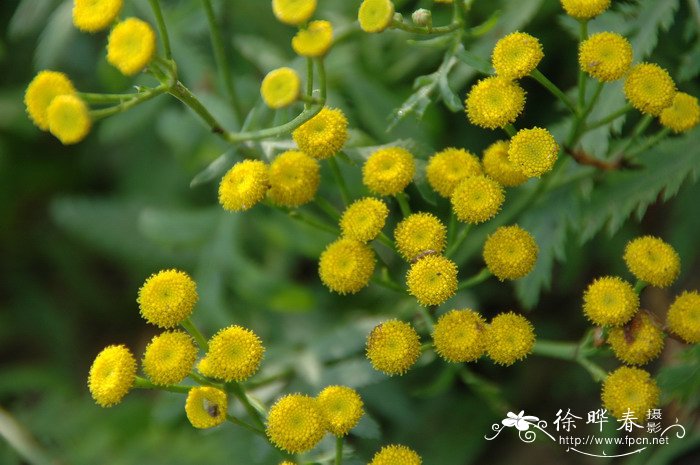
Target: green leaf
<point x="54" y="41"/>
<point x="29" y="16"/>
<point x="680" y="381"/>
<point x="480" y="64"/>
<point x="448" y="96"/>
<point x="652" y="16"/>
<point x="216" y="169"/>
<point x="178" y="228"/>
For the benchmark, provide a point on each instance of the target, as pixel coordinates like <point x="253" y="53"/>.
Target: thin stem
<point x="639" y="286"/>
<point x="328" y="208"/>
<point x="243" y="397"/>
<point x="591" y="104"/>
<point x="89" y="97"/>
<point x="653" y="140"/>
<point x="583" y="35"/>
<point x="162" y="28"/>
<point x="570" y="351"/>
<point x="610" y="118"/>
<point x="242" y="423"/>
<point x="190" y="327"/>
<point x="202" y="380"/>
<point x="425" y="30"/>
<point x="510" y="130"/>
<point x="344" y="193"/>
<point x="143" y="383"/>
<point x="452" y="249"/>
<point x="384" y="239"/>
<point x="182" y="93"/>
<point x="303" y="117"/>
<point x="639" y="129"/>
<point x="127" y="104"/>
<point x="313" y="222"/>
<point x="339" y="450"/>
<point x="388" y="284"/>
<point x="478" y="278"/>
<point x="309" y="81"/>
<point x="402" y="199"/>
<point x="488" y="391"/>
<point x="321" y="78"/>
<point x="554" y="90"/>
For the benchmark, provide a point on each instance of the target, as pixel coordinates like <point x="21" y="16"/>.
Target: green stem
<point x="510" y="130"/>
<point x="554" y="90"/>
<point x="328" y="208"/>
<point x="313" y="222"/>
<point x="333" y="163"/>
<point x="321" y="78"/>
<point x="190" y="327"/>
<point x="238" y="391"/>
<point x="199" y="379"/>
<point x="425" y="30"/>
<point x="478" y="278"/>
<point x="89" y="97"/>
<point x="339" y="450"/>
<point x="125" y="105"/>
<point x="182" y="93"/>
<point x="162" y="28"/>
<point x="572" y="352"/>
<point x="583" y="35"/>
<point x="639" y="129"/>
<point x="591" y="104"/>
<point x="402" y="199"/>
<point x="610" y="118"/>
<point x="653" y="140"/>
<point x="242" y="423"/>
<point x="488" y="391"/>
<point x="309" y="81"/>
<point x="452" y="249"/>
<point x="384" y="239"/>
<point x="143" y="383"/>
<point x="388" y="284"/>
<point x="303" y="117"/>
<point x="639" y="286"/>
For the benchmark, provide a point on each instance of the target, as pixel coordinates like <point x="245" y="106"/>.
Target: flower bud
<point x="422" y="17"/>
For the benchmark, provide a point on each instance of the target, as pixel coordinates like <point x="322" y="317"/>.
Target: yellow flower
<point x="45" y="86"/>
<point x="364" y="219"/>
<point x="294" y="178"/>
<point x="323" y="135"/>
<point x="234" y="354"/>
<point x="396" y="455"/>
<point x="510" y="252"/>
<point x="649" y="88"/>
<point x="516" y="55"/>
<point x="95" y="15"/>
<point x="244" y="185"/>
<point x="287" y="462"/>
<point x="605" y="56"/>
<point x="683" y="318"/>
<point x="447" y="168"/>
<point x="280" y="87"/>
<point x="432" y="280"/>
<point x="393" y="347"/>
<point x="206" y="406"/>
<point x="420" y="233"/>
<point x="169" y="357"/>
<point x="610" y="301"/>
<point x="459" y="336"/>
<point x="112" y="375"/>
<point x="388" y="171"/>
<point x="167" y="298"/>
<point x="494" y="102"/>
<point x="630" y="389"/>
<point x="477" y="199"/>
<point x="346" y="266"/>
<point x="295" y="423"/>
<point x="652" y="260"/>
<point x="375" y="15"/>
<point x="509" y="338"/>
<point x="638" y="342"/>
<point x="293" y="12"/>
<point x="498" y="166"/>
<point x="69" y="119"/>
<point x="683" y="114"/>
<point x="585" y="9"/>
<point x="341" y="408"/>
<point x="131" y="46"/>
<point x="315" y="40"/>
<point x="534" y="151"/>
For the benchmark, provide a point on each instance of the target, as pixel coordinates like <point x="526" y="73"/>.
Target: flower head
<point x="69" y="119"/>
<point x="112" y="375"/>
<point x="516" y="55"/>
<point x="293" y="12"/>
<point x="131" y="46"/>
<point x="393" y="347"/>
<point x="206" y="406"/>
<point x="323" y="135"/>
<point x="44" y="88"/>
<point x="315" y="40"/>
<point x="459" y="336"/>
<point x="494" y="102"/>
<point x="477" y="199"/>
<point x="638" y="342"/>
<point x="396" y="455"/>
<point x="510" y="252"/>
<point x="649" y="88"/>
<point x="585" y="9"/>
<point x="95" y="15"/>
<point x="420" y="233"/>
<point x="169" y="357"/>
<point x="167" y="298"/>
<point x="605" y="56"/>
<point x="388" y="171"/>
<point x="280" y="87"/>
<point x="341" y="407"/>
<point x="432" y="280"/>
<point x="498" y="166"/>
<point x="610" y="301"/>
<point x="509" y="338"/>
<point x="294" y="178"/>
<point x="364" y="219"/>
<point x="244" y="185"/>
<point x="234" y="354"/>
<point x="683" y="114"/>
<point x="652" y="260"/>
<point x="346" y="266"/>
<point x="683" y="318"/>
<point x="534" y="151"/>
<point x="295" y="423"/>
<point x="447" y="168"/>
<point x="630" y="389"/>
<point x="375" y="15"/>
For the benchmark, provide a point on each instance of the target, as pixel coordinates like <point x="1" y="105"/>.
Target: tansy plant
<point x="406" y="219"/>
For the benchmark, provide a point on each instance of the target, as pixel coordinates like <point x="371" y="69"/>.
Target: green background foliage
<point x="81" y="227"/>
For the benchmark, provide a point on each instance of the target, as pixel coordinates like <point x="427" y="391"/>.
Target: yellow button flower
<point x="652" y="260"/>
<point x="516" y="55"/>
<point x="131" y="46"/>
<point x="605" y="56"/>
<point x="649" y="88"/>
<point x="510" y="252"/>
<point x="293" y="12"/>
<point x="244" y="185"/>
<point x="683" y="114"/>
<point x="169" y="357"/>
<point x="477" y="199"/>
<point x="45" y="86"/>
<point x="630" y="389"/>
<point x="448" y="167"/>
<point x="341" y="407"/>
<point x="234" y="354"/>
<point x="534" y="151"/>
<point x="375" y="15"/>
<point x="638" y="342"/>
<point x="494" y="102"/>
<point x="315" y="40"/>
<point x="388" y="171"/>
<point x="294" y="179"/>
<point x="393" y="347"/>
<point x="346" y="266"/>
<point x="498" y="166"/>
<point x="610" y="301"/>
<point x="295" y="423"/>
<point x="683" y="317"/>
<point x="420" y="233"/>
<point x="396" y="455"/>
<point x="206" y="407"/>
<point x="69" y="119"/>
<point x="585" y="9"/>
<point x="280" y="88"/>
<point x="364" y="219"/>
<point x="459" y="336"/>
<point x="167" y="298"/>
<point x="509" y="338"/>
<point x="112" y="375"/>
<point x="432" y="280"/>
<point x="95" y="15"/>
<point x="323" y="135"/>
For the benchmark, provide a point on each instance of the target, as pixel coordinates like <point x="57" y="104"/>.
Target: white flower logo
<point x="520" y="421"/>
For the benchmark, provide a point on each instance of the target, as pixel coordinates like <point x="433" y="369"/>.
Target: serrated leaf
<point x="652" y="16"/>
<point x="690" y="64"/>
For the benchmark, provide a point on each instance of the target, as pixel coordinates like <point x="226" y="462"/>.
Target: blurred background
<point x="81" y="227"/>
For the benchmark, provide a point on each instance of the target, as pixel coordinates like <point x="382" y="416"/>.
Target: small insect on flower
<point x="323" y="135"/>
<point x="516" y="55"/>
<point x="346" y="266"/>
<point x="605" y="56"/>
<point x="167" y="298"/>
<point x="683" y="114"/>
<point x="432" y="280"/>
<point x="534" y="151"/>
<point x="315" y="40"/>
<point x="629" y="389"/>
<point x="509" y="337"/>
<point x="459" y="336"/>
<point x="364" y="219"/>
<point x="494" y="102"/>
<point x="610" y="301"/>
<point x="419" y="233"/>
<point x="388" y="170"/>
<point x="294" y="179"/>
<point x="638" y="342"/>
<point x="131" y="46"/>
<point x="510" y="252"/>
<point x="206" y="406"/>
<point x="169" y="357"/>
<point x="234" y="354"/>
<point x="652" y="260"/>
<point x="244" y="185"/>
<point x="449" y="167"/>
<point x="41" y="91"/>
<point x="293" y="12"/>
<point x="477" y="199"/>
<point x="295" y="423"/>
<point x="396" y="455"/>
<point x="649" y="88"/>
<point x="112" y="375"/>
<point x="69" y="119"/>
<point x="280" y="88"/>
<point x="498" y="166"/>
<point x="683" y="318"/>
<point x="585" y="9"/>
<point x="375" y="15"/>
<point x="95" y="15"/>
<point x="341" y="407"/>
<point x="393" y="347"/>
